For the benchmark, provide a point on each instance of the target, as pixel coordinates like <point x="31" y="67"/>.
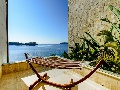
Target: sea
<point x="16" y="53"/>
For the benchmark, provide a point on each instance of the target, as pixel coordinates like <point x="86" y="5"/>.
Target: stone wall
<point x="3" y="34"/>
<point x="85" y="15"/>
<point x="16" y="67"/>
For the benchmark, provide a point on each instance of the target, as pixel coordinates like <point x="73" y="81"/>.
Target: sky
<point x="41" y="21"/>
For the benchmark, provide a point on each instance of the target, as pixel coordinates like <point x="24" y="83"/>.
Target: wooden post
<point x="71" y="81"/>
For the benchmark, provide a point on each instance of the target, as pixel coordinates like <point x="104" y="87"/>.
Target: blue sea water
<point x="16" y="53"/>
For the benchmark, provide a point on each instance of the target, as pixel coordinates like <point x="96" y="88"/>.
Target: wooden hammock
<point x="65" y="64"/>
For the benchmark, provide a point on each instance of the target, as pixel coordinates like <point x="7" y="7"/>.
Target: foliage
<point x="112" y="42"/>
<point x="53" y="55"/>
<point x="75" y="54"/>
<point x="90" y="49"/>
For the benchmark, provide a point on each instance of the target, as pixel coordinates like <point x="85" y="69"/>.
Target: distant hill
<point x="64" y="43"/>
<point x="29" y="44"/>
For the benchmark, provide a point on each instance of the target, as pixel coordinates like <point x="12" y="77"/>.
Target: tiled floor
<point x="21" y="80"/>
<point x="13" y="81"/>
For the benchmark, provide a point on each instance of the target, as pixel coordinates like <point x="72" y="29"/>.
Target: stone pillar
<point x="3" y="34"/>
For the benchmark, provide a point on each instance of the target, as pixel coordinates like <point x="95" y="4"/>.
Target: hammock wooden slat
<point x="62" y="64"/>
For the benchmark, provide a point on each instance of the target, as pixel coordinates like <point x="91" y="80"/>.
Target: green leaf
<point x="104" y="32"/>
<point x="93" y="40"/>
<point x="105" y="19"/>
<point x="89" y="43"/>
<point x="115" y="11"/>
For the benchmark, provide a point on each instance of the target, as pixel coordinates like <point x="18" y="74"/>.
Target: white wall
<point x="3" y="34"/>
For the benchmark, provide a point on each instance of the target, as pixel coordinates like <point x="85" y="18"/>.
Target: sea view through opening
<point x="16" y="53"/>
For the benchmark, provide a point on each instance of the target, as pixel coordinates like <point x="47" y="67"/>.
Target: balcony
<point x="18" y="76"/>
